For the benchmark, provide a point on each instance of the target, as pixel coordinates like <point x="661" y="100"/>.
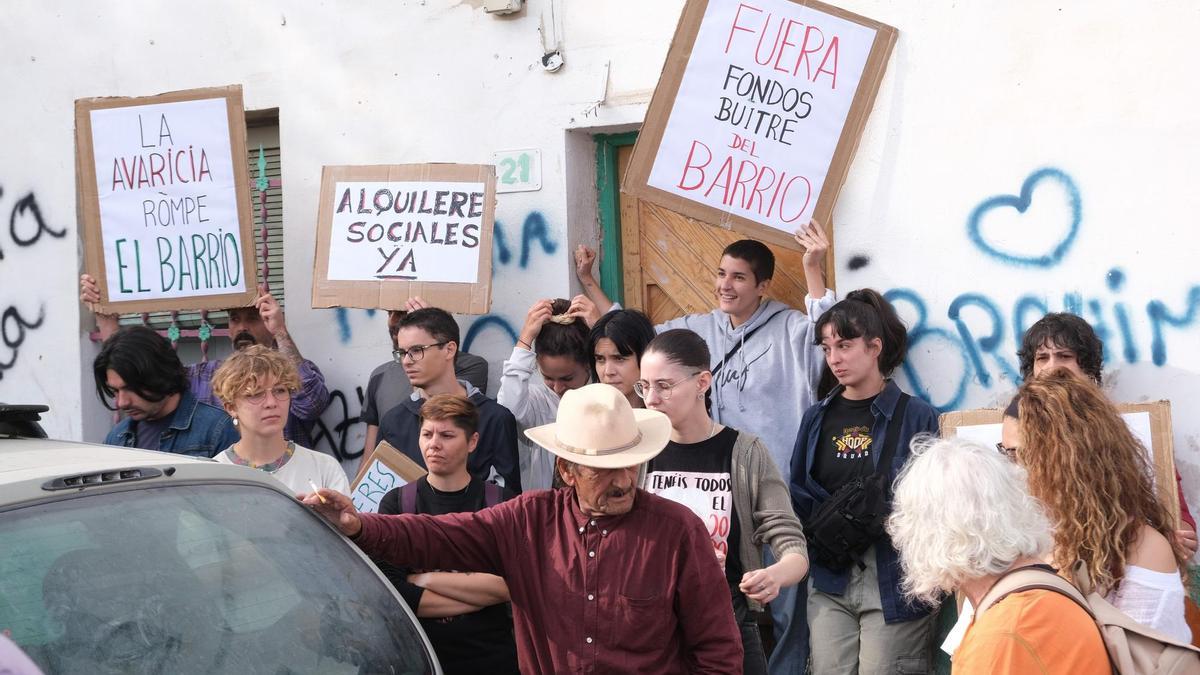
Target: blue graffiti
<point x="1000" y="349"/>
<point x="343" y="323"/>
<point x="533" y="230"/>
<point x="484" y="322"/>
<point x="1159" y="315"/>
<point x="1021" y="203"/>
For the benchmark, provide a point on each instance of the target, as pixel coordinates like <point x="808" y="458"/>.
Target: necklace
<point x="269" y="467"/>
<point x="712" y="431"/>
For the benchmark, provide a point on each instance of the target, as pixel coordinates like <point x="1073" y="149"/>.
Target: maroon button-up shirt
<point x="636" y="593"/>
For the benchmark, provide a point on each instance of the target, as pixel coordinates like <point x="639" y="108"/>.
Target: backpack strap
<point x="408" y="497"/>
<point x="738" y="344"/>
<point x="1030" y="578"/>
<point x="892" y="439"/>
<point x="492" y="494"/>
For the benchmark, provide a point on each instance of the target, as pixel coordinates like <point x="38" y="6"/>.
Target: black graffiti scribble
<point x="13" y="331"/>
<point x="338" y="436"/>
<point x="15" y="326"/>
<point x="28" y="204"/>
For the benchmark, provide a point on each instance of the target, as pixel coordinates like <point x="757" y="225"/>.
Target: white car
<point x="116" y="560"/>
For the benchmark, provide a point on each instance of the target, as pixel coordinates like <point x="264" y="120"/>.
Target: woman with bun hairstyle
<point x="727" y="478"/>
<point x="859" y="618"/>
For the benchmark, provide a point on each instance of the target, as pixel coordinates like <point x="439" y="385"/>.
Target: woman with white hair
<point x="962" y="519"/>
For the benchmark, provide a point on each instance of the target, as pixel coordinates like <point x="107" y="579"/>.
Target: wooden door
<point x="670" y="261"/>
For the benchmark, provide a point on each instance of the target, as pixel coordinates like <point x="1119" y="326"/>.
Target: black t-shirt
<point x="469" y="643"/>
<point x="846" y="450"/>
<point x="698" y="475"/>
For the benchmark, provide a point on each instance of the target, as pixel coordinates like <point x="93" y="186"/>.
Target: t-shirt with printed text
<point x="846" y="451"/>
<point x="698" y="475"/>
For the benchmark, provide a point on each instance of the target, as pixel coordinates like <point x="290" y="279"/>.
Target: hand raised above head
<point x="583" y="308"/>
<point x="815" y="242"/>
<point x="584" y="259"/>
<point x="414" y="303"/>
<point x="537" y="316"/>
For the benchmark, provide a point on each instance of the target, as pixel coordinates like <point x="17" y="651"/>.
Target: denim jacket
<point x="196" y="429"/>
<point x="807" y="493"/>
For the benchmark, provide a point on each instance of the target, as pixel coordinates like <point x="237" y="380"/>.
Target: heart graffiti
<point x="1021" y="203"/>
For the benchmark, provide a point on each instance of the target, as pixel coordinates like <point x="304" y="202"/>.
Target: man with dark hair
<point x="1061" y="340"/>
<point x="261" y="323"/>
<point x="765" y="366"/>
<point x="139" y="371"/>
<point x="1064" y="340"/>
<point x="558" y="347"/>
<point x="388" y="386"/>
<point x="426" y="343"/>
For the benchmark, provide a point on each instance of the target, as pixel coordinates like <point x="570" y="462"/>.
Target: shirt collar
<point x="581" y="519"/>
<point x="884" y="404"/>
<point x="182" y="419"/>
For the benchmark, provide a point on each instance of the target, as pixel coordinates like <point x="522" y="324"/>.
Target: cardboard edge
<point x="636" y="182"/>
<point x="88" y="201"/>
<point x="461" y="298"/>
<point x="393" y="459"/>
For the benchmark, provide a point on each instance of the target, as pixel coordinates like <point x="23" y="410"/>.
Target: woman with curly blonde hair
<point x="1095" y="478"/>
<point x="256" y="385"/>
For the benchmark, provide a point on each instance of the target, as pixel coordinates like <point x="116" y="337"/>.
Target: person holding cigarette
<point x="603" y="576"/>
<point x="256" y="386"/>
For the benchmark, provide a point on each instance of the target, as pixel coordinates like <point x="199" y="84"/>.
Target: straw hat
<point x="597" y="427"/>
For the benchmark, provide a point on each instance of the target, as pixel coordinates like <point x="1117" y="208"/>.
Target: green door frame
<point x="612" y="272"/>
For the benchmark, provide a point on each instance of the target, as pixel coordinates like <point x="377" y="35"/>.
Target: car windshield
<point x="195" y="579"/>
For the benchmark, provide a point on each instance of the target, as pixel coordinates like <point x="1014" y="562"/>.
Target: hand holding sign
<point x="89" y="295"/>
<point x="816" y="244"/>
<point x="271" y="313"/>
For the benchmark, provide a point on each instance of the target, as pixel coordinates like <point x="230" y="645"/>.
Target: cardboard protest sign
<point x="385" y="469"/>
<point x="164" y="197"/>
<point x="1149" y="422"/>
<point x="387" y="233"/>
<point x="758" y="113"/>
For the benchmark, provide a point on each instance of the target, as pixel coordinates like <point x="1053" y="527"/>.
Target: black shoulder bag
<point x="844" y="526"/>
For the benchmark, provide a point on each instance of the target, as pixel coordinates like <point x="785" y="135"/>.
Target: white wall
<point x="978" y="97"/>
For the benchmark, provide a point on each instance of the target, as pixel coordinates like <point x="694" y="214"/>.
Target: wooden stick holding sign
<point x="387" y="233"/>
<point x="164" y="198"/>
<point x="1149" y="422"/>
<point x="758" y="113"/>
<point x="385" y="469"/>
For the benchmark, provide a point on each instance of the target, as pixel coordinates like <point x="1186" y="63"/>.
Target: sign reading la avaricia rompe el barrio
<point x="165" y="200"/>
<point x="758" y="112"/>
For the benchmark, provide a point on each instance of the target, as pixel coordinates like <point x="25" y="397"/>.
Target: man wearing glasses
<point x="388" y="386"/>
<point x="426" y="344"/>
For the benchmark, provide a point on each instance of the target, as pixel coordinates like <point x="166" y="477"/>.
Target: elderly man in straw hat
<point x="604" y="577"/>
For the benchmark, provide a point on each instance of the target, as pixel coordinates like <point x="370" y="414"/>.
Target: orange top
<point x="1032" y="632"/>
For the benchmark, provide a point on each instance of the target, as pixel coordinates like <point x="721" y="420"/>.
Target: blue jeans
<point x="788" y="613"/>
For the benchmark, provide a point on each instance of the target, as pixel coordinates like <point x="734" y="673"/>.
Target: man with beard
<point x="137" y="369"/>
<point x="261" y="323"/>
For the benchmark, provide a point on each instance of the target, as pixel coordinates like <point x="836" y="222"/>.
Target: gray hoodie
<point x="771" y="379"/>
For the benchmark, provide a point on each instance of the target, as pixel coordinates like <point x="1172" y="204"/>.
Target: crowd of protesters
<point x="678" y="499"/>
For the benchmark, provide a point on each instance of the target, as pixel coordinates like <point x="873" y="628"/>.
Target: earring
<point x="235" y="422"/>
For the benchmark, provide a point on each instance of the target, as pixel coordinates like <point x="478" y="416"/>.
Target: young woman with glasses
<point x="255" y="385"/>
<point x="726" y="477"/>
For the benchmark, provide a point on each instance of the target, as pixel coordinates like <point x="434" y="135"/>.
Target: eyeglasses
<point x="417" y="352"/>
<point x="1008" y="452"/>
<point x="280" y="393"/>
<point x="664" y="389"/>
